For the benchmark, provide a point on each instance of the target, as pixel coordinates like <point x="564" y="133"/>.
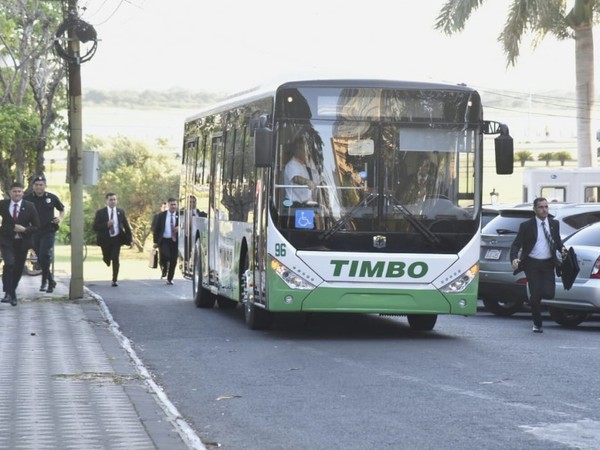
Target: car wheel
<point x="503" y="308"/>
<point x="567" y="317"/>
<point x="422" y="322"/>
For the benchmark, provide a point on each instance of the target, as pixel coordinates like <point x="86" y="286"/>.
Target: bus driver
<point x="300" y="172"/>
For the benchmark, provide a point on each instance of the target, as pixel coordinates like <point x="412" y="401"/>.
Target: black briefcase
<point x="569" y="269"/>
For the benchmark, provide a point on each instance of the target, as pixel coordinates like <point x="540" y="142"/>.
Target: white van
<point x="560" y="184"/>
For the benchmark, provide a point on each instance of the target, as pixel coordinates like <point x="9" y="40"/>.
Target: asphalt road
<point x="363" y="381"/>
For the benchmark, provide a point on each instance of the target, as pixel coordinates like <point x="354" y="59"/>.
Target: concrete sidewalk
<point x="70" y="380"/>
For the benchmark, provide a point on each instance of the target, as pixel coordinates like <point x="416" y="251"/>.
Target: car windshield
<point x="586" y="236"/>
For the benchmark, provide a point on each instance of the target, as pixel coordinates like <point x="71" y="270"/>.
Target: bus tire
<point x="202" y="297"/>
<point x="256" y="318"/>
<point x="502" y="308"/>
<point x="422" y="322"/>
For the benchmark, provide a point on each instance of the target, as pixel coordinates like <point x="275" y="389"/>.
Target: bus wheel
<point x="202" y="297"/>
<point x="226" y="303"/>
<point x="422" y="322"/>
<point x="256" y="318"/>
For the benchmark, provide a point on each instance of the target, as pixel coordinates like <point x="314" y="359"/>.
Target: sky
<point x="226" y="46"/>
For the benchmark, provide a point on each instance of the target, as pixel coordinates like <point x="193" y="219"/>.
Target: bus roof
<point x="269" y="88"/>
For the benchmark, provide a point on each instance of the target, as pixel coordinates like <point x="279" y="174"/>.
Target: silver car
<point x="570" y="308"/>
<point x="502" y="292"/>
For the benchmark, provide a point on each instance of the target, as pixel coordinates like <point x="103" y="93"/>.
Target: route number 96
<point x="279" y="249"/>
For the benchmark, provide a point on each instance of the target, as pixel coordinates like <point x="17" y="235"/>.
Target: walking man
<point x="165" y="237"/>
<point x="19" y="221"/>
<point x="112" y="231"/>
<point x="539" y="241"/>
<point x="43" y="240"/>
<point x="163" y="207"/>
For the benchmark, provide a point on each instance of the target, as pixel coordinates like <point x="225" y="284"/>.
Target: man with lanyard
<point x="43" y="240"/>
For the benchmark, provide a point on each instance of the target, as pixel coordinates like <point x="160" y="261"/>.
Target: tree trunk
<point x="584" y="80"/>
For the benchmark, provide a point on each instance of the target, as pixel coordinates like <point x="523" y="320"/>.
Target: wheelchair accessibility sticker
<point x="305" y="219"/>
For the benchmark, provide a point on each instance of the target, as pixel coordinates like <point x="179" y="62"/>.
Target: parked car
<point x="502" y="292"/>
<point x="491" y="210"/>
<point x="570" y="308"/>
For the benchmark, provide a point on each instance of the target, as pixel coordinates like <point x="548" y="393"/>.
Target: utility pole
<point x="75" y="158"/>
<point x="74" y="31"/>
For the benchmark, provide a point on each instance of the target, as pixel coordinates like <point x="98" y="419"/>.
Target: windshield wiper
<point x="342" y="221"/>
<point x="398" y="206"/>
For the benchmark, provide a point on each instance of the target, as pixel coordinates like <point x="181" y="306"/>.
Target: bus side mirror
<point x="263" y="147"/>
<point x="504" y="154"/>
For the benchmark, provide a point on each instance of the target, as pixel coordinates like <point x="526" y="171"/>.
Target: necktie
<point x="173" y="230"/>
<point x="548" y="238"/>
<point x="15" y="212"/>
<point x="112" y="216"/>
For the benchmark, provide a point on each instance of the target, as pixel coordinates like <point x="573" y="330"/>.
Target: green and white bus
<point x="360" y="234"/>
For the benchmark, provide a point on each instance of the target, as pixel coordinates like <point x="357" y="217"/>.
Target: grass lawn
<point x="134" y="265"/>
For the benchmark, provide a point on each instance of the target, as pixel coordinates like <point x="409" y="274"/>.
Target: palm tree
<point x="562" y="157"/>
<point x="544" y="17"/>
<point x="547" y="156"/>
<point x="523" y="157"/>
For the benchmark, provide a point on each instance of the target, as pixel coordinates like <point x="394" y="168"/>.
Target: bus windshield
<point x="395" y="172"/>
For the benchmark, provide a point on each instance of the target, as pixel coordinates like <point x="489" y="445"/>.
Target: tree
<point x="523" y="157"/>
<point x="32" y="81"/>
<point x="562" y="157"/>
<point x="544" y="17"/>
<point x="141" y="177"/>
<point x="547" y="156"/>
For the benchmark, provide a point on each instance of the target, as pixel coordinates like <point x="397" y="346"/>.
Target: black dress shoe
<point x="51" y="286"/>
<point x="13" y="300"/>
<point x="114" y="284"/>
<point x="5" y="299"/>
<point x="43" y="287"/>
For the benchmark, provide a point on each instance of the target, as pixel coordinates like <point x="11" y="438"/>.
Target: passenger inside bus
<point x="300" y="171"/>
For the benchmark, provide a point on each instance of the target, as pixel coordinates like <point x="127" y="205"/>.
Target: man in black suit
<point x="539" y="246"/>
<point x="165" y="238"/>
<point x="20" y="220"/>
<point x="112" y="231"/>
<point x="163" y="207"/>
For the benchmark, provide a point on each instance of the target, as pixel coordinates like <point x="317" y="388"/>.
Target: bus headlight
<point x="290" y="278"/>
<point x="461" y="282"/>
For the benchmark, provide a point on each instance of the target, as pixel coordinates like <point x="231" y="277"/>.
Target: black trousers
<point x="14" y="255"/>
<point x="43" y="245"/>
<point x="111" y="252"/>
<point x="168" y="257"/>
<point x="541" y="281"/>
